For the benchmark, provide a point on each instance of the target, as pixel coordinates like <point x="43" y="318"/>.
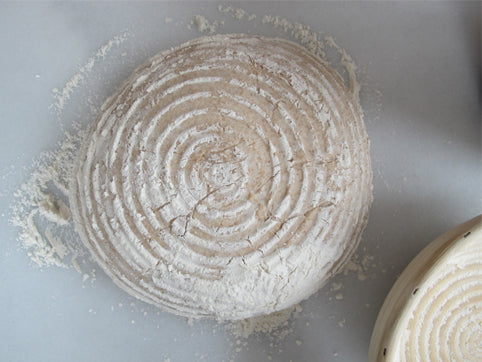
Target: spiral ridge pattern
<point x="445" y="321"/>
<point x="228" y="177"/>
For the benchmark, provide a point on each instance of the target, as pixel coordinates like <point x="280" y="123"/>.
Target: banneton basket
<point x="434" y="310"/>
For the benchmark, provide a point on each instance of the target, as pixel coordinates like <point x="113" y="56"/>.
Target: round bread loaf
<point x="228" y="177"/>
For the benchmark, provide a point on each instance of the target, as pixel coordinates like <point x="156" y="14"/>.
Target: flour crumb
<point x="299" y="342"/>
<point x="204" y="25"/>
<point x="54" y="210"/>
<point x="75" y="264"/>
<point x="237" y="13"/>
<point x="339" y="296"/>
<point x="276" y="323"/>
<point x="336" y="286"/>
<point x="361" y="265"/>
<point x="167" y="20"/>
<point x="93" y="275"/>
<point x="57" y="245"/>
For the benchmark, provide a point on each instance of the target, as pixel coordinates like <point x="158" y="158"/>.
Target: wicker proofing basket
<point x="434" y="310"/>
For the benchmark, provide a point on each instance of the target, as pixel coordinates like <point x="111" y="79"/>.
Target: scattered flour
<point x="204" y="25"/>
<point x="63" y="95"/>
<point x="236" y="13"/>
<point x="361" y="265"/>
<point x="274" y="329"/>
<point x="336" y="286"/>
<point x="41" y="209"/>
<point x="303" y="33"/>
<point x="46" y="229"/>
<point x="277" y="323"/>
